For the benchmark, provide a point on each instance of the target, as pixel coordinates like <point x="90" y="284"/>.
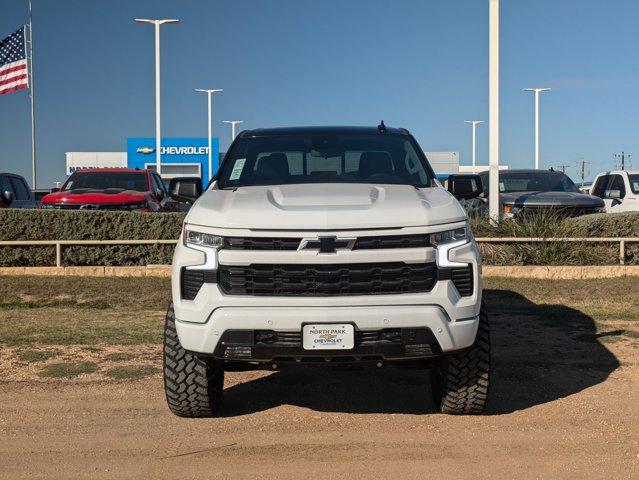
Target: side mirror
<point x="7" y="197"/>
<point x="465" y="186"/>
<point x="185" y="189"/>
<point x="612" y="194"/>
<point x="159" y="193"/>
<point x="55" y="189"/>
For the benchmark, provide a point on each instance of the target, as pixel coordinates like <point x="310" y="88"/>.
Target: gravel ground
<point x="564" y="404"/>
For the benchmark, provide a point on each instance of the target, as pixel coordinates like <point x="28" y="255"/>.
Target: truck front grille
<point x="327" y="280"/>
<point x="362" y="243"/>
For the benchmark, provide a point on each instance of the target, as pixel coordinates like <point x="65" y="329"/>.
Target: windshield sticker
<point x="501" y="186"/>
<point x="237" y="168"/>
<point x="635" y="186"/>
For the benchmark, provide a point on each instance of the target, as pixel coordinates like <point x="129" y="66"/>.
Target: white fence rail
<point x="59" y="244"/>
<point x="622" y="241"/>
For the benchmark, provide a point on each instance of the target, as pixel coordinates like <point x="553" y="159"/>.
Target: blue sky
<point x="420" y="64"/>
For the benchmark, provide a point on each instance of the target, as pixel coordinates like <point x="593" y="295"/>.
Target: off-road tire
<point x="460" y="381"/>
<point x="193" y="385"/>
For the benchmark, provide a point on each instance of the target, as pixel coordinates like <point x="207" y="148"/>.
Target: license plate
<point x="328" y="336"/>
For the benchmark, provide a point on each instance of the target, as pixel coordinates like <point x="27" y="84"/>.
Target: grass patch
<point x="84" y="292"/>
<point x="131" y="372"/>
<point x="119" y="357"/>
<point x="68" y="369"/>
<point x="33" y="356"/>
<point x="137" y="306"/>
<point x="91" y="349"/>
<point x="53" y="326"/>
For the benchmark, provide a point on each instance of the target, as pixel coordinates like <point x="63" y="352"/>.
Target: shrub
<point x="88" y="225"/>
<point x="552" y="224"/>
<point x="96" y="225"/>
<point x="18" y="224"/>
<point x="607" y="224"/>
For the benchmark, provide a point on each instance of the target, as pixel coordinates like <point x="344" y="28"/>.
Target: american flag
<point x="13" y="63"/>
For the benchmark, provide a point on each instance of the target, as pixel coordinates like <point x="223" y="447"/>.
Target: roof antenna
<point x="381" y="127"/>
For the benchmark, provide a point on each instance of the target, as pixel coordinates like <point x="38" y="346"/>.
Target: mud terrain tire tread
<point x="460" y="381"/>
<point x="193" y="385"/>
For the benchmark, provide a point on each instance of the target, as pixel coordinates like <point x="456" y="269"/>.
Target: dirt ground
<point x="564" y="404"/>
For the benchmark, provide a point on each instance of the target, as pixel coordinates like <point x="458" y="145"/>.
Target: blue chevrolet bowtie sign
<point x="179" y="155"/>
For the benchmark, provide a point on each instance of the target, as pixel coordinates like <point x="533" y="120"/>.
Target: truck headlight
<point x="195" y="238"/>
<point x="204" y="242"/>
<point x="450" y="236"/>
<point x="447" y="240"/>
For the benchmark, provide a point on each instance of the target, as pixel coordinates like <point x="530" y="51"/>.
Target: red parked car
<point x="113" y="189"/>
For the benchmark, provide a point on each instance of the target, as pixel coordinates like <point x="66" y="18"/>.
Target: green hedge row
<point x="20" y="224"/>
<point x="94" y="225"/>
<point x="88" y="225"/>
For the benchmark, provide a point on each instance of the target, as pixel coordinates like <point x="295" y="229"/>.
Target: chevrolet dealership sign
<point x="180" y="155"/>
<point x="184" y="150"/>
<point x="175" y="150"/>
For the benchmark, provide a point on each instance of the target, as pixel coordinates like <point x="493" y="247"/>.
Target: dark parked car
<point x="15" y="192"/>
<point x="540" y="190"/>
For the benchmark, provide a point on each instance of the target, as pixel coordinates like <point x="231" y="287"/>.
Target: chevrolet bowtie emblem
<point x="328" y="336"/>
<point x="145" y="150"/>
<point x="327" y="244"/>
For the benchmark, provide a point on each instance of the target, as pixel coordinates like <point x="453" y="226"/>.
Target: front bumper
<point x="451" y="319"/>
<point x="240" y="327"/>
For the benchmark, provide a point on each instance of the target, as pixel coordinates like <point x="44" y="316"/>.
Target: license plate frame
<point x="328" y="336"/>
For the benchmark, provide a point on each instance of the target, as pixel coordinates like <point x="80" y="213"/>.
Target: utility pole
<point x="622" y="156"/>
<point x="562" y="168"/>
<point x="582" y="170"/>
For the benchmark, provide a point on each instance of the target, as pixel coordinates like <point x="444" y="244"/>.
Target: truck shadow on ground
<point x="540" y="353"/>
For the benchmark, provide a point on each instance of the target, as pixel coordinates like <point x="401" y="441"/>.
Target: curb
<point x="562" y="272"/>
<point x="148" y="271"/>
<point x="164" y="271"/>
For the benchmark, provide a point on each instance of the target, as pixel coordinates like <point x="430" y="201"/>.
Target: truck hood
<point x="551" y="199"/>
<point x="325" y="207"/>
<point x="95" y="197"/>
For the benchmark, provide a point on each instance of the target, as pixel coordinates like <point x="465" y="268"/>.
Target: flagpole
<point x="31" y="96"/>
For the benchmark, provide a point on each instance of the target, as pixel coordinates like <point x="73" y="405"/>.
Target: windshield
<point x="107" y="181"/>
<point x="540" y="181"/>
<point x="282" y="160"/>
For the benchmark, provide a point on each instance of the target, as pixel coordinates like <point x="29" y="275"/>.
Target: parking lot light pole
<point x="158" y="140"/>
<point x="493" y="111"/>
<point x="474" y="123"/>
<point x="537" y="91"/>
<point x="209" y="94"/>
<point x="232" y="123"/>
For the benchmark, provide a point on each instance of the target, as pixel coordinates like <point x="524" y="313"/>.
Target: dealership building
<point x="180" y="157"/>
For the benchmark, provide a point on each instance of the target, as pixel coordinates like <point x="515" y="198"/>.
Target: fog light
<point x="418" y="350"/>
<point x="237" y="352"/>
<point x="391" y="335"/>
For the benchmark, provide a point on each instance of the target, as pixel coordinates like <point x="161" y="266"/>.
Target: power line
<point x="562" y="168"/>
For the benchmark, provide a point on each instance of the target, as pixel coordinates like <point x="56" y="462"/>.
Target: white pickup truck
<point x="619" y="190"/>
<point x="321" y="246"/>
